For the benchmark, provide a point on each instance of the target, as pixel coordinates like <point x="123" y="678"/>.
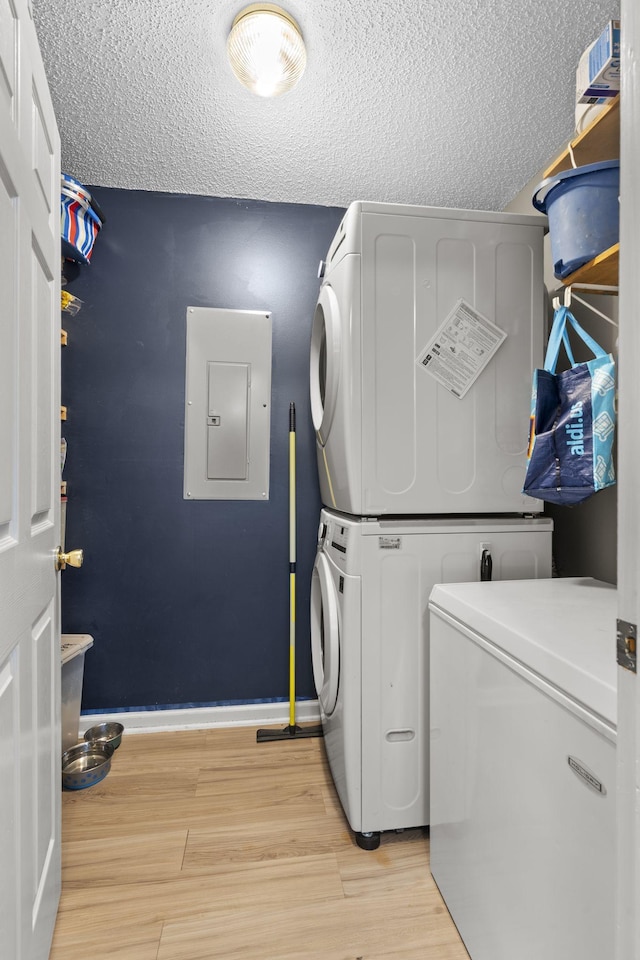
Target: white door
<point x="29" y="494"/>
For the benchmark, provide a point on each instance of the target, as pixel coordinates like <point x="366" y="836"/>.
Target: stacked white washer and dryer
<point x="428" y="326"/>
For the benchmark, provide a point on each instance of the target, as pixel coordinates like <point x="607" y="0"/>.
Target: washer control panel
<point x="338" y="536"/>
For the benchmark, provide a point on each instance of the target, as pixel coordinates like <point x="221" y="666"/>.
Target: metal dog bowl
<point x="86" y="764"/>
<point x="107" y="733"/>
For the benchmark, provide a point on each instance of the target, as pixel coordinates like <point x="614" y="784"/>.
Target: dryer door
<point x="324" y="361"/>
<point x="325" y="634"/>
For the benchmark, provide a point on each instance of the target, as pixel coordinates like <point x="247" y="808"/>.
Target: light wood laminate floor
<point x="204" y="844"/>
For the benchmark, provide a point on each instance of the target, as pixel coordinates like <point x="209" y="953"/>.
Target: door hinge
<point x="626" y="636"/>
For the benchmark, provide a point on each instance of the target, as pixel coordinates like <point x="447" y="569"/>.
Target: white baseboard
<point x="196" y="718"/>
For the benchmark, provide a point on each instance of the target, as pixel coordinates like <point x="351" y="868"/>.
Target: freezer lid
<point x="563" y="629"/>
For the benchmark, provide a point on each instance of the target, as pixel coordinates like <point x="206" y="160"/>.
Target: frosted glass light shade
<point x="266" y="50"/>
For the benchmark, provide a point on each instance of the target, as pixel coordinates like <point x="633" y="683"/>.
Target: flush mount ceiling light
<point x="266" y="50"/>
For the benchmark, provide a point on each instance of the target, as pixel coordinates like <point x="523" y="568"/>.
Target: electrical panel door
<point x="228" y="404"/>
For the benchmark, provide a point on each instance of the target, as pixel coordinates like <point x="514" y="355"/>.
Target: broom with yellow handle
<point x="292" y="731"/>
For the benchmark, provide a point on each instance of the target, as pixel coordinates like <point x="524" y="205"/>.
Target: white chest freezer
<point x="523" y="733"/>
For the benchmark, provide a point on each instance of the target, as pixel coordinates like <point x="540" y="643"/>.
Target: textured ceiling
<point x="454" y="103"/>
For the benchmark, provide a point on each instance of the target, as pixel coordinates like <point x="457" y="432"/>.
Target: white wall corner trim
<point x="200" y="718"/>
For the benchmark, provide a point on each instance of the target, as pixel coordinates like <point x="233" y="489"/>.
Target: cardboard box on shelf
<point x="598" y="73"/>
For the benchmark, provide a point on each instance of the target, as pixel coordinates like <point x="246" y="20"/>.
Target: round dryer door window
<point x="325" y="635"/>
<point x="324" y="361"/>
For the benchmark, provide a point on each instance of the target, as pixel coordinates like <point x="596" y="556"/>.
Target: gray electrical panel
<point x="228" y="404"/>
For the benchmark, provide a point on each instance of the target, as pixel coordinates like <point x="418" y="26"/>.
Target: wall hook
<point x="569" y="294"/>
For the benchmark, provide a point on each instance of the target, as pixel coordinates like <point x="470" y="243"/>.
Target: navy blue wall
<point x="188" y="602"/>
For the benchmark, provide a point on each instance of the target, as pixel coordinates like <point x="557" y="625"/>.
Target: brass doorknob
<point x="74" y="558"/>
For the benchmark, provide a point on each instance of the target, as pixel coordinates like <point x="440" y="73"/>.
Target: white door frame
<point x="628" y="750"/>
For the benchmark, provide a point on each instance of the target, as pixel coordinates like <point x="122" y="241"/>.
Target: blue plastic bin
<point x="584" y="213"/>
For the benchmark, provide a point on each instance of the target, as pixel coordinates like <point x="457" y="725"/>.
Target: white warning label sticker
<point x="461" y="348"/>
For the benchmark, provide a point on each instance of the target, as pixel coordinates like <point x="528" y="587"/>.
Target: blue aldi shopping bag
<point x="572" y="420"/>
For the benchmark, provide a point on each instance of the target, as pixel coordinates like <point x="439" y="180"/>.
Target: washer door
<point x="325" y="634"/>
<point x="324" y="361"/>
